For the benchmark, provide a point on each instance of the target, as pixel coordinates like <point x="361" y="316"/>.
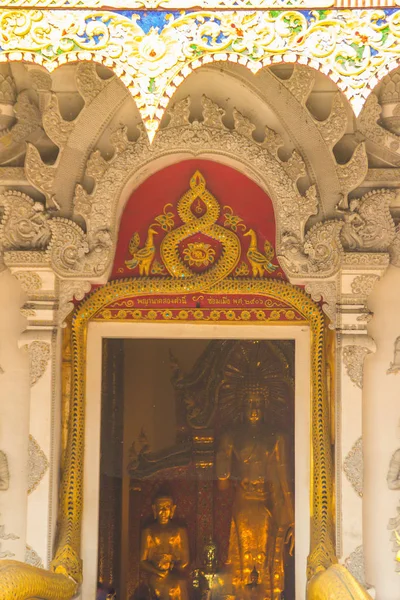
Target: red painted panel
<point x="230" y="187"/>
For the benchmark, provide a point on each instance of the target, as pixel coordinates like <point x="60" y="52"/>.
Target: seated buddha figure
<point x="256" y="457"/>
<point x="164" y="552"/>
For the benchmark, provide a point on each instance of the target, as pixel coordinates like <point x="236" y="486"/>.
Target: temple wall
<point x="381" y="414"/>
<point x="293" y="133"/>
<point x="349" y="458"/>
<point x="43" y="433"/>
<point x="14" y="420"/>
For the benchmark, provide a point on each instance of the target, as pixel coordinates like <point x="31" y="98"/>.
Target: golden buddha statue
<point x="257" y="457"/>
<point x="164" y="552"/>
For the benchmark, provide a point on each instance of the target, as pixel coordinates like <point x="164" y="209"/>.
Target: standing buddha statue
<point x="257" y="458"/>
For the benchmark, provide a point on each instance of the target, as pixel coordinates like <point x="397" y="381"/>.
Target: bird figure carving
<point x="259" y="262"/>
<point x="142" y="257"/>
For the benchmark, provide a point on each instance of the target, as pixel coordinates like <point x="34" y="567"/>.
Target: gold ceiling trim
<point x="322" y="553"/>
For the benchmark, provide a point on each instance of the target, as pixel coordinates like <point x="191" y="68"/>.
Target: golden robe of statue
<point x="257" y="457"/>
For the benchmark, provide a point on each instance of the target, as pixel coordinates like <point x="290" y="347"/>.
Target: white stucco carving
<point x="353" y="467"/>
<point x="326" y="291"/>
<point x="70" y="289"/>
<point x="33" y="558"/>
<point x="39" y="356"/>
<point x="355" y="564"/>
<point x="353" y="359"/>
<point x="38" y="464"/>
<point x="395" y="364"/>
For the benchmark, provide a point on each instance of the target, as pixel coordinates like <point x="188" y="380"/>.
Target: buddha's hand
<point x="165" y="564"/>
<point x="289" y="539"/>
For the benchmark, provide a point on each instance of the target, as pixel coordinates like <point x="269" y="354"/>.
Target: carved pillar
<point x="357" y="279"/>
<point x="14" y="420"/>
<point x="381" y="418"/>
<point x="42" y="346"/>
<point x="344" y="299"/>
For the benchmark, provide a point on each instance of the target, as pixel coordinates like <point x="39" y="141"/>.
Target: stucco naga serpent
<point x="19" y="581"/>
<point x="335" y="583"/>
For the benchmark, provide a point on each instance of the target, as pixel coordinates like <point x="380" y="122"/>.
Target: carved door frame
<point x="95" y="308"/>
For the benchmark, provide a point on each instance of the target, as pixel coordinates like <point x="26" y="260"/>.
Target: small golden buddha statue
<point x="253" y="590"/>
<point x="257" y="458"/>
<point x="218" y="583"/>
<point x="164" y="552"/>
<point x="210" y="557"/>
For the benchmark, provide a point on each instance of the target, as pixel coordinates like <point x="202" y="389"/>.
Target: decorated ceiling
<point x="152" y="52"/>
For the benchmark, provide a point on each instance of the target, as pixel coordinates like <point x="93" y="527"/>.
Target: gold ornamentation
<point x="335" y="582"/>
<point x="199" y="254"/>
<point x="204" y="222"/>
<point x="37" y="464"/>
<point x="233" y="221"/>
<point x="167" y="219"/>
<point x="66" y="387"/>
<point x="259" y="262"/>
<point x="173" y="314"/>
<point x="70" y="518"/>
<point x="19" y="581"/>
<point x="242" y="270"/>
<point x="157" y="268"/>
<point x="142" y="257"/>
<point x="199" y="211"/>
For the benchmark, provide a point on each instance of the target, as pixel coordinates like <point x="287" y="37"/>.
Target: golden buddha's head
<point x="254" y="397"/>
<point x="163" y="509"/>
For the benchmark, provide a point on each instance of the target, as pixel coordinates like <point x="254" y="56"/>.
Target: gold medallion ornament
<point x="199" y="254"/>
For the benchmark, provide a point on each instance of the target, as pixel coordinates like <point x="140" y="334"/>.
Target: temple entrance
<point x="197" y="480"/>
<point x="200" y="377"/>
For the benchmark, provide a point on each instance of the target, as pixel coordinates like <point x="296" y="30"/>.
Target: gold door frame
<point x="322" y="537"/>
